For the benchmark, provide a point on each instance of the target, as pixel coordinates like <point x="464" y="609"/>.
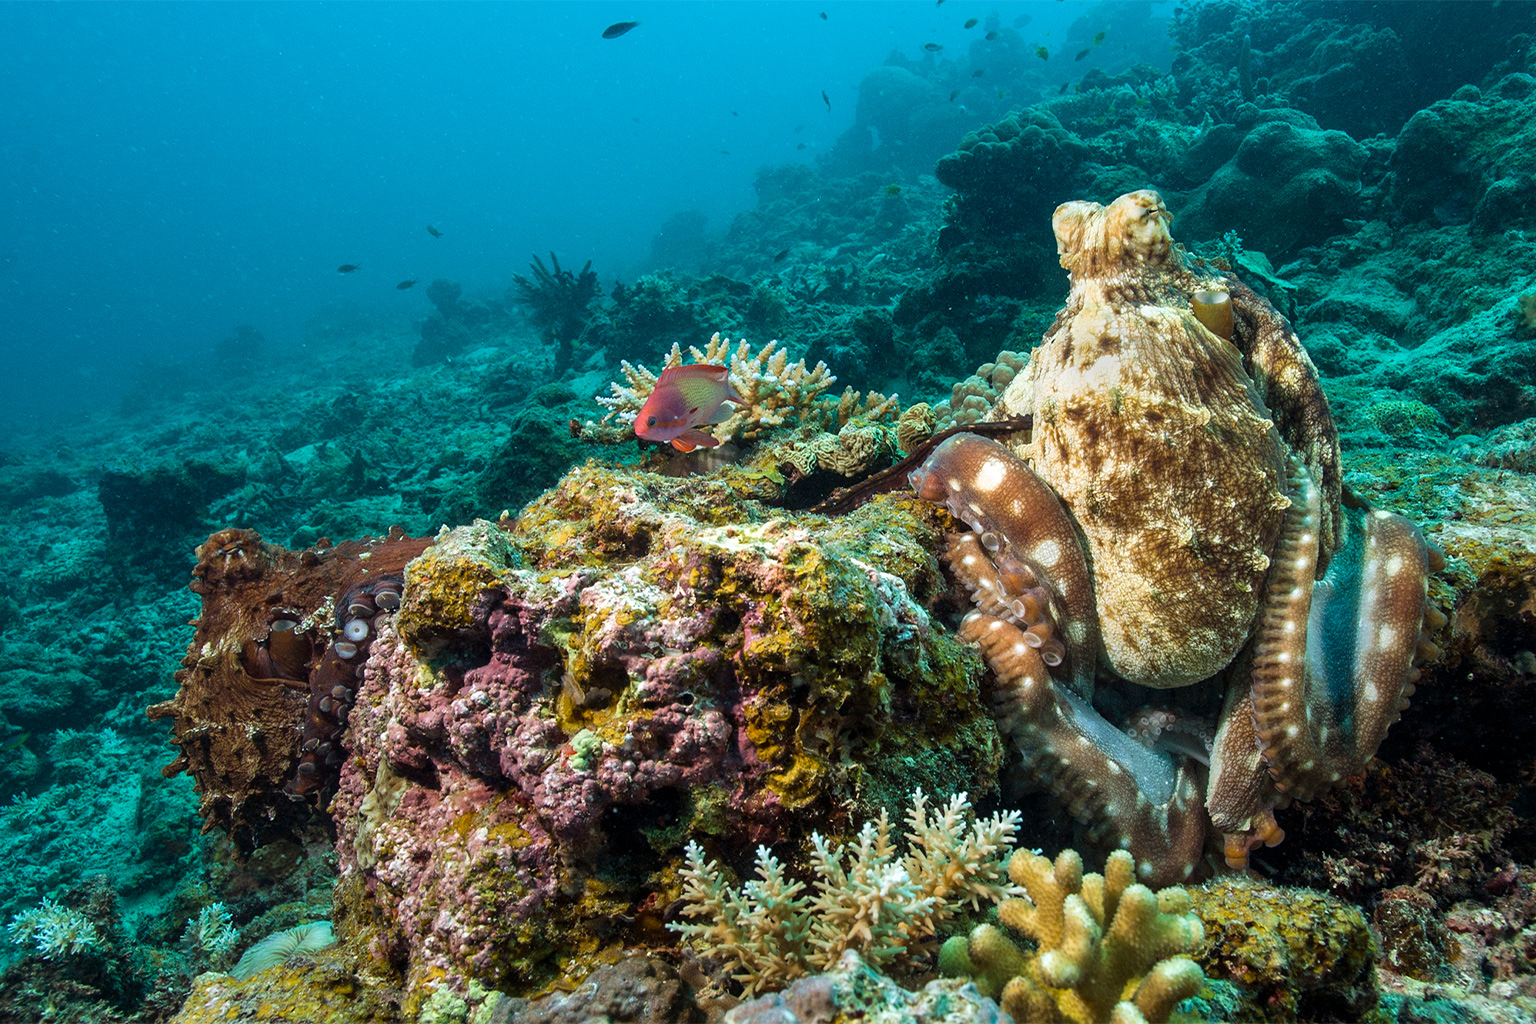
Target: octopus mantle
<point x="1176" y="518"/>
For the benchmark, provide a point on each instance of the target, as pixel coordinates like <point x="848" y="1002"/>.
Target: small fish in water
<point x="1063" y="88"/>
<point x="734" y="114"/>
<point x="780" y="255"/>
<point x="687" y="398"/>
<point x="978" y="72"/>
<point x="434" y="232"/>
<point x="990" y="35"/>
<point x="403" y="285"/>
<point x="347" y="268"/>
<point x="1042" y="53"/>
<point x="972" y="22"/>
<point x="893" y="190"/>
<point x="1099" y="38"/>
<point x="932" y="47"/>
<point x="999" y="94"/>
<point x="1081" y="54"/>
<point x="827" y="100"/>
<point x="953" y="95"/>
<point x="725" y="152"/>
<point x="801" y="146"/>
<point x="823" y="15"/>
<point x="14" y="742"/>
<point x="618" y="28"/>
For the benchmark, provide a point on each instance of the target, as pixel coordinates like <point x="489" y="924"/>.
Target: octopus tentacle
<point x="1288" y="383"/>
<point x="1321" y="716"/>
<point x="991" y="489"/>
<point x="1132" y="797"/>
<point x="1013" y="593"/>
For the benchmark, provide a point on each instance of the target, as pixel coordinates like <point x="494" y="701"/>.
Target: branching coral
<point x="559" y="301"/>
<point x="54" y="932"/>
<point x="1107" y="949"/>
<point x="866" y="897"/>
<point x="777" y="392"/>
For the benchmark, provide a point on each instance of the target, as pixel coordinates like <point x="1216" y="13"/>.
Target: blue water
<point x="170" y="171"/>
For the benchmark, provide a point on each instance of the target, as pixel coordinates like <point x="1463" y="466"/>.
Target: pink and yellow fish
<point x="686" y="399"/>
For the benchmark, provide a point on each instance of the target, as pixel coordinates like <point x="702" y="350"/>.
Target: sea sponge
<point x="281" y="947"/>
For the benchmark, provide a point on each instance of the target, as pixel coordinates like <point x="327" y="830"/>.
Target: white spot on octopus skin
<point x="1394" y="565"/>
<point x="1370" y="693"/>
<point x="954" y="484"/>
<point x="1047" y="552"/>
<point x="1386" y="637"/>
<point x="991" y="474"/>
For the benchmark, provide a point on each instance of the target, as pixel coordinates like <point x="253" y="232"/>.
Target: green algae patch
<point x="1296" y="954"/>
<point x="443" y="584"/>
<point x="334" y="985"/>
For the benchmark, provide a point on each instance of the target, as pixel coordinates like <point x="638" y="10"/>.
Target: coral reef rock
<point x="855" y="991"/>
<point x="551" y="707"/>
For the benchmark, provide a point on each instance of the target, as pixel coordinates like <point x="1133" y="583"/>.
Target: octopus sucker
<point x="1177" y="517"/>
<point x="1022" y="509"/>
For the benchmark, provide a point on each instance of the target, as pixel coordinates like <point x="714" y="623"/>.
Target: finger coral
<point x="865" y="898"/>
<point x="1106" y="949"/>
<point x="776" y="391"/>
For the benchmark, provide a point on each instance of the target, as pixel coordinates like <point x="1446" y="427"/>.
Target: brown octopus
<point x="1177" y="517"/>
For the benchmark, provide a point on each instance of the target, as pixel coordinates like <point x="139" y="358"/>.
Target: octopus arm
<point x="1289" y="385"/>
<point x="1138" y="799"/>
<point x="1333" y="661"/>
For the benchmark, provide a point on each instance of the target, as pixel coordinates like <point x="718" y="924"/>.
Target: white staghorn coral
<point x="866" y="897"/>
<point x="776" y="392"/>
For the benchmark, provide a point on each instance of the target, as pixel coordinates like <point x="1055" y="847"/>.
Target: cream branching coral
<point x="1107" y="949"/>
<point x="866" y="896"/>
<point x="776" y="392"/>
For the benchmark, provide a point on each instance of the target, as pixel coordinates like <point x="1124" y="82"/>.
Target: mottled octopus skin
<point x="1203" y="478"/>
